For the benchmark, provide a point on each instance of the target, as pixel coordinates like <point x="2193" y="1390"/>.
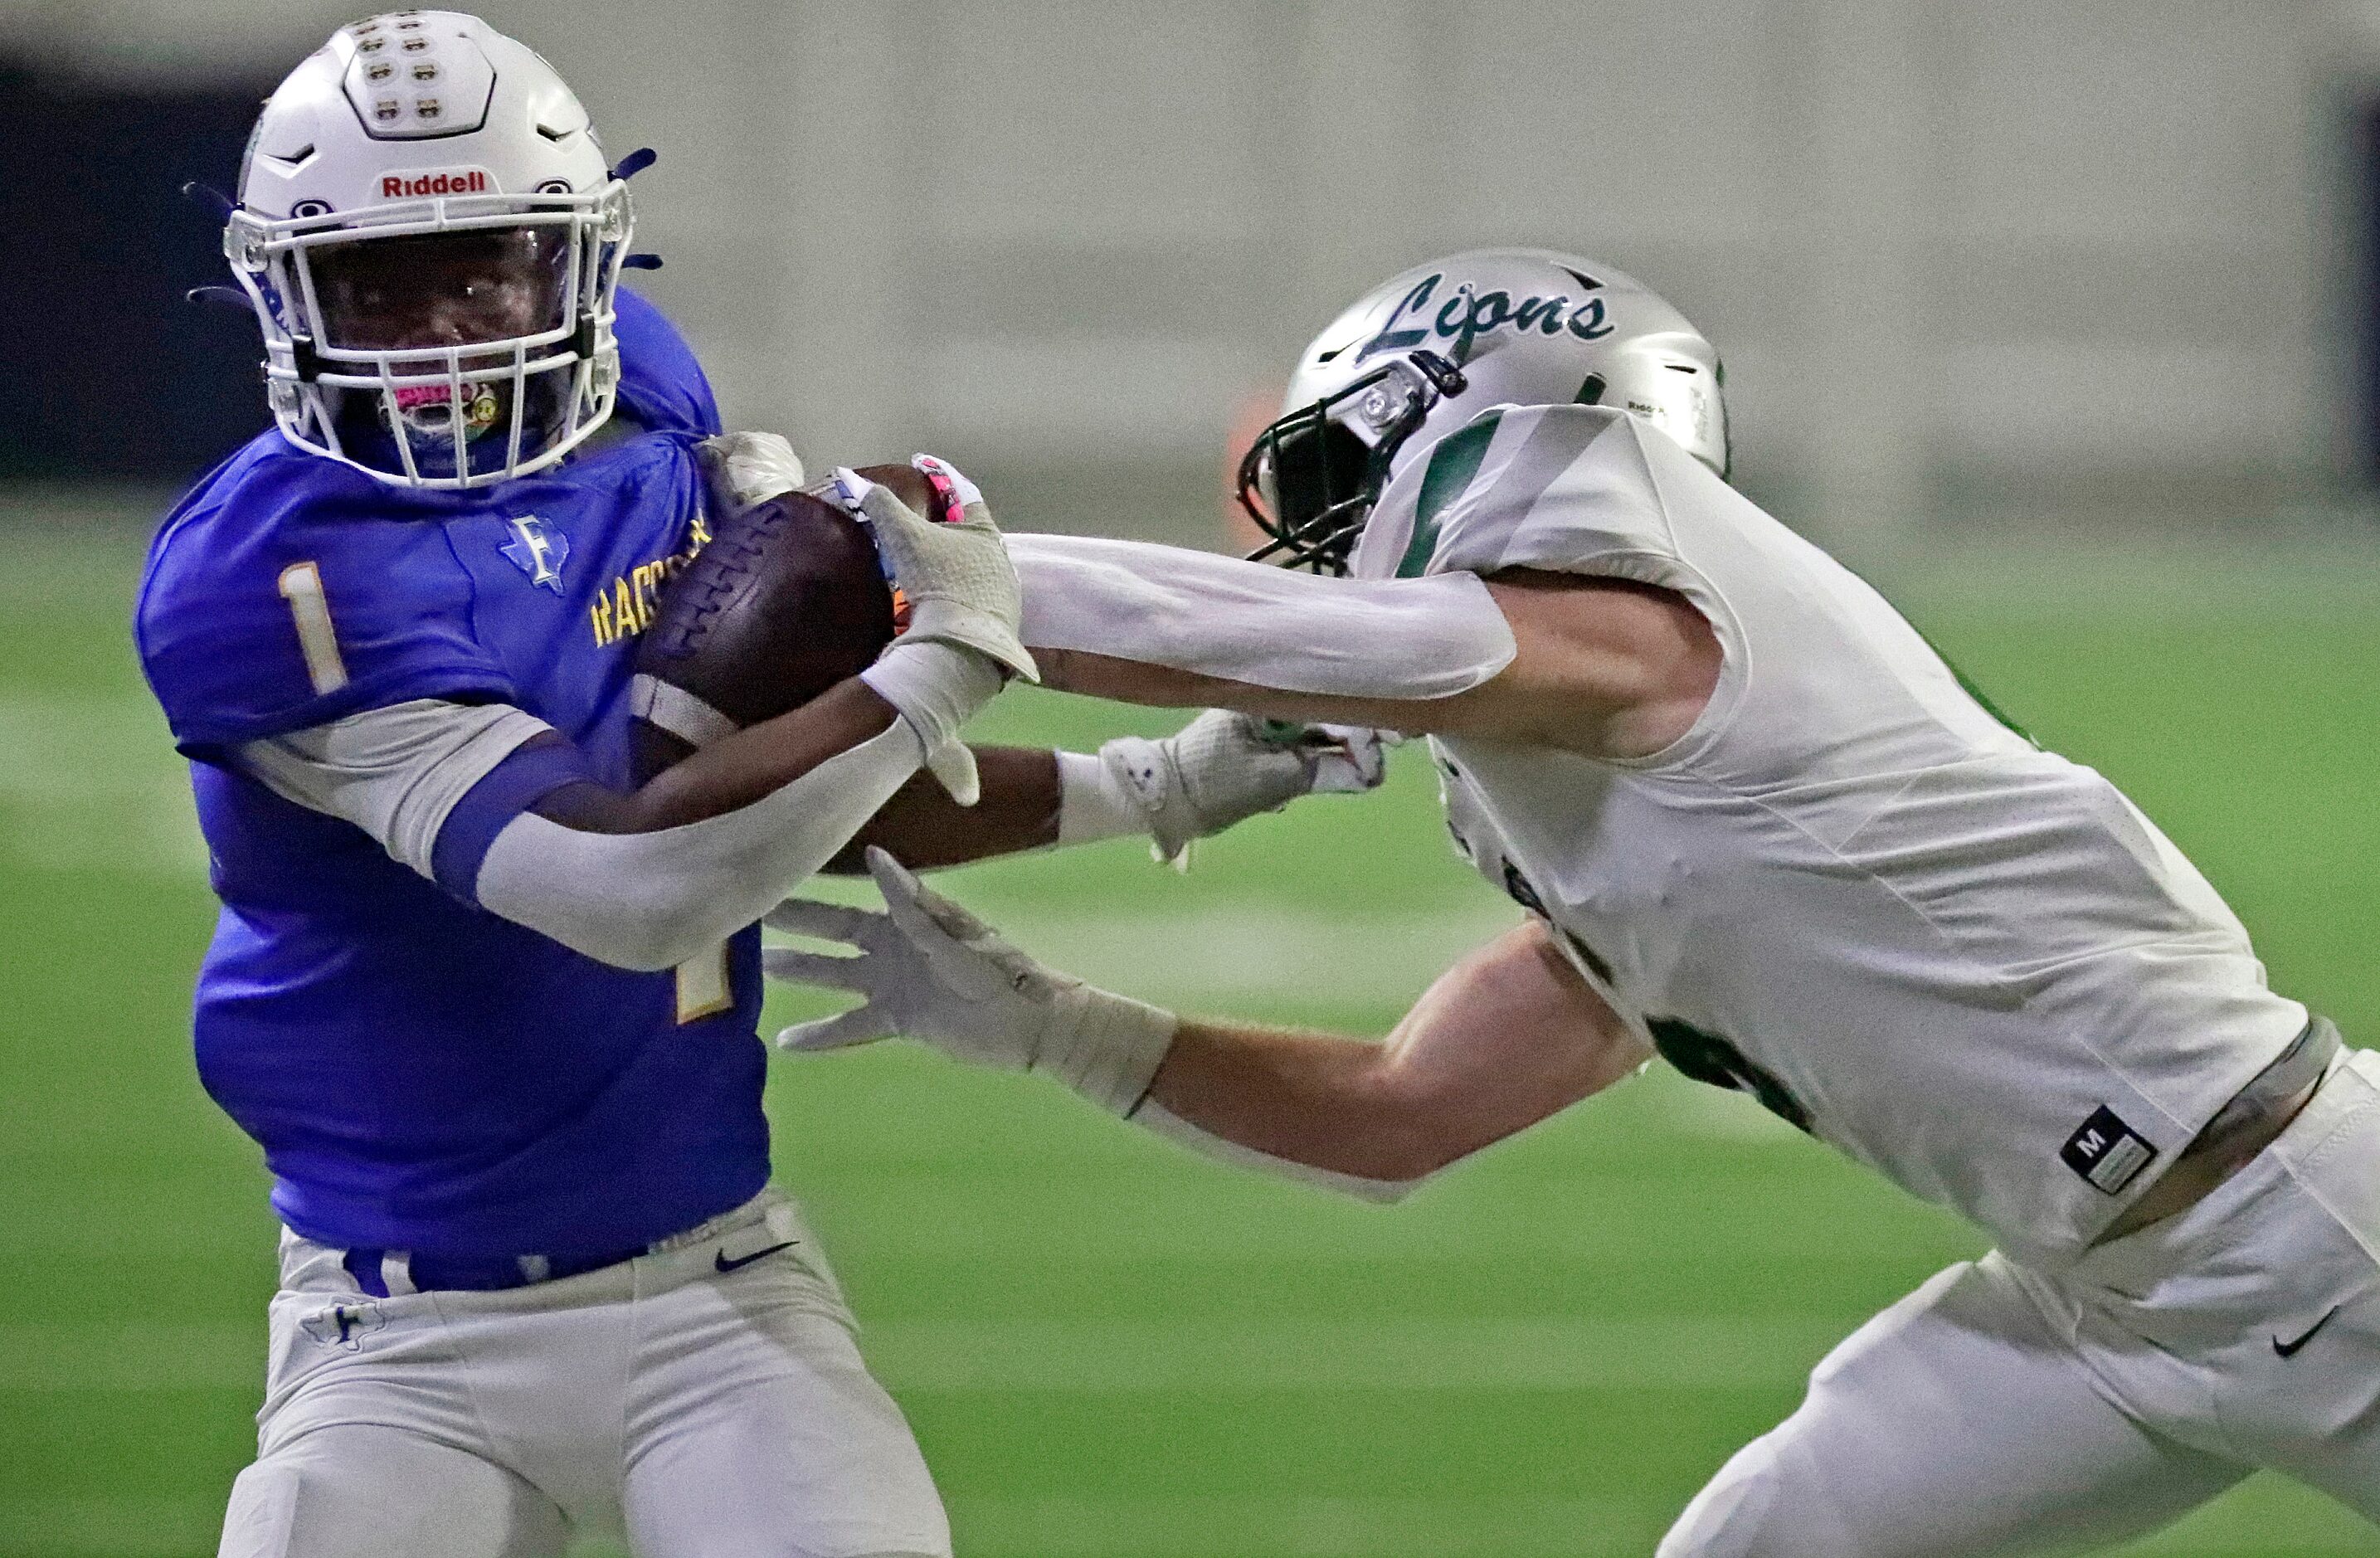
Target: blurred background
<point x="2056" y="317"/>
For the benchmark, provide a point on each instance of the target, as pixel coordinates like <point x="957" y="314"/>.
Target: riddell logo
<point x="458" y="181"/>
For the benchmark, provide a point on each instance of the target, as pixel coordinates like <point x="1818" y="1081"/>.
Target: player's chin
<point x="421" y="416"/>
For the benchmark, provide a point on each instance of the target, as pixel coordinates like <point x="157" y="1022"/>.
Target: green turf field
<point x="1110" y="1350"/>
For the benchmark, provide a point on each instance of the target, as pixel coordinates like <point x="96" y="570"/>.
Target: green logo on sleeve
<point x="1451" y="466"/>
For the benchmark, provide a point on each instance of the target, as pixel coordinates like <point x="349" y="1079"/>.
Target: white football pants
<point x="2000" y="1410"/>
<point x="708" y="1400"/>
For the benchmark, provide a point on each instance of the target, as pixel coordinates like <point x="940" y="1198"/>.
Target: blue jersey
<point x="421" y="1074"/>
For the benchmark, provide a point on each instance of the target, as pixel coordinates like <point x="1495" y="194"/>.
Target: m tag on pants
<point x="2107" y="1151"/>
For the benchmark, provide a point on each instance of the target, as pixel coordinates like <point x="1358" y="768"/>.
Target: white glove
<point x="1223" y="767"/>
<point x="743" y="468"/>
<point x="962" y="602"/>
<point x="961" y="586"/>
<point x="933" y="972"/>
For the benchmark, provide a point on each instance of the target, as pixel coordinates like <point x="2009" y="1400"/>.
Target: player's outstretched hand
<point x="961" y="586"/>
<point x="932" y="972"/>
<point x="1224" y="767"/>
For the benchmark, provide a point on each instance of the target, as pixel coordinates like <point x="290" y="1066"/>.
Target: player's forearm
<point x="1166" y="626"/>
<point x="732" y="772"/>
<point x="922" y="827"/>
<point x="1507" y="1037"/>
<point x="1123" y="680"/>
<point x="1327" y="1103"/>
<point x="1600" y="667"/>
<point x="652" y="900"/>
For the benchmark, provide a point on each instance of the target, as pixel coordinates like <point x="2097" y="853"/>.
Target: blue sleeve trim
<point x="526" y="775"/>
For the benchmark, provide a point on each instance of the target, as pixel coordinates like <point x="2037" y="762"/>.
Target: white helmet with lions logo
<point x="1425" y="351"/>
<point x="431" y="240"/>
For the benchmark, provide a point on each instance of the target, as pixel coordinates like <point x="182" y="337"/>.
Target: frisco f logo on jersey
<point x="540" y="552"/>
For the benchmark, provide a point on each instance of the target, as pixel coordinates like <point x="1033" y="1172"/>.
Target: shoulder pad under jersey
<point x="1564" y="488"/>
<point x="663" y="386"/>
<point x="287" y="591"/>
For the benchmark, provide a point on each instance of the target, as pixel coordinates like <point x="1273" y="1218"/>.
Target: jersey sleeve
<point x="1567" y="489"/>
<point x="293" y="593"/>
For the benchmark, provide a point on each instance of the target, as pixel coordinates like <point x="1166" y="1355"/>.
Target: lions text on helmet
<point x="431" y="239"/>
<point x="1425" y="351"/>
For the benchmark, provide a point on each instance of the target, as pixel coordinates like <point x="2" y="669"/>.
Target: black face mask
<point x="1309" y="482"/>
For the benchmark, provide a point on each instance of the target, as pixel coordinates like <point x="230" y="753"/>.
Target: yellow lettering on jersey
<point x="642" y="582"/>
<point x="628" y="608"/>
<point x="703" y="985"/>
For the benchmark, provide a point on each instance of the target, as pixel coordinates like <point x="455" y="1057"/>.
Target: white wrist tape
<point x="938" y="687"/>
<point x="1105" y="1046"/>
<point x="1176" y="1129"/>
<point x="1247" y="622"/>
<point x="1093" y="803"/>
<point x="653" y="900"/>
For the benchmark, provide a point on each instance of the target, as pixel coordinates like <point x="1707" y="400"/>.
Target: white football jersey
<point x="1850" y="889"/>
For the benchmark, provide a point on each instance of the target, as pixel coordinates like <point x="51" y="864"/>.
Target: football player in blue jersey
<point x="487" y="1005"/>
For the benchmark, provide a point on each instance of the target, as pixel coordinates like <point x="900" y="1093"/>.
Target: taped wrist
<point x="937" y="686"/>
<point x="1105" y="1046"/>
<point x="1174" y="1128"/>
<point x="1093" y="803"/>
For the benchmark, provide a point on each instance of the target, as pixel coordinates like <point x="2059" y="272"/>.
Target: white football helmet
<point x="1425" y="351"/>
<point x="431" y="240"/>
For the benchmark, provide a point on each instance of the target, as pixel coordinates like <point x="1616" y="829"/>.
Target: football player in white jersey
<point x="1764" y="830"/>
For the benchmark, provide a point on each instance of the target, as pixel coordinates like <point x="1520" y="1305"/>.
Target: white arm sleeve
<point x="645" y="901"/>
<point x="396" y="772"/>
<point x="1248" y="622"/>
<point x="651" y="901"/>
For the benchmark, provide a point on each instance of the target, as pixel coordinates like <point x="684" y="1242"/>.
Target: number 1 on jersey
<point x="703" y="989"/>
<point x="301" y="586"/>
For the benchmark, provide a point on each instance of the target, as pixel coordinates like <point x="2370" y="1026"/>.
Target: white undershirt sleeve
<point x="1407" y="638"/>
<point x="645" y="901"/>
<point x="396" y="772"/>
<point x="650" y="901"/>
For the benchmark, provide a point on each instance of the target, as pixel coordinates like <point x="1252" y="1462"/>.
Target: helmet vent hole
<point x="1680" y="367"/>
<point x="1591" y="392"/>
<point x="1583" y="279"/>
<point x="553" y="132"/>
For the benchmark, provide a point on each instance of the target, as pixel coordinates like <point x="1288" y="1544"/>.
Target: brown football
<point x="788" y="598"/>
